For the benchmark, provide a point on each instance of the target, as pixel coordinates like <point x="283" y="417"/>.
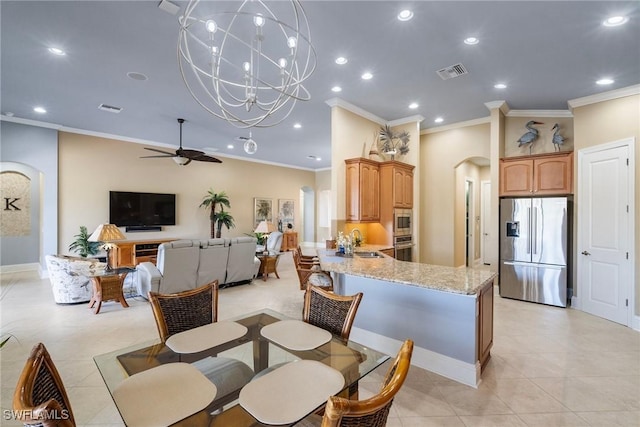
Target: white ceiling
<point x="547" y="53"/>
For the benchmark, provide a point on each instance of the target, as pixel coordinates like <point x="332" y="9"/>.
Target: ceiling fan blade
<point x="157" y="157"/>
<point x="159" y="151"/>
<point x="188" y="153"/>
<point x="205" y="158"/>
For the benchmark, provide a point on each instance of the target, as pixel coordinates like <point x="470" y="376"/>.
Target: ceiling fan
<point x="182" y="156"/>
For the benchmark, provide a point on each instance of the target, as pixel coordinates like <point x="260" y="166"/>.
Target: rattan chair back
<point x="326" y="310"/>
<point x="372" y="412"/>
<point x="184" y="310"/>
<point x="40" y="397"/>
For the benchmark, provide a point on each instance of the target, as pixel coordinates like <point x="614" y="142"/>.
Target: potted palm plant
<point x="82" y="246"/>
<point x="212" y="200"/>
<point x="223" y="218"/>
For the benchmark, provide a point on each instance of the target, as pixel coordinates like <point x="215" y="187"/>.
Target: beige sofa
<point x="188" y="264"/>
<point x="69" y="278"/>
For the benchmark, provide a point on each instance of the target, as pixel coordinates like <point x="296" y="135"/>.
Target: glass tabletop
<point x="351" y="359"/>
<point x="111" y="272"/>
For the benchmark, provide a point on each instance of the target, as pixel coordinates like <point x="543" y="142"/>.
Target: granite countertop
<point x="460" y="280"/>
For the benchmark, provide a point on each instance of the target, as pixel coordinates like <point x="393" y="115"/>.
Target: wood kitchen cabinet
<point x="289" y="240"/>
<point x="362" y="190"/>
<point x="396" y="184"/>
<point x="485" y="324"/>
<point x="540" y="175"/>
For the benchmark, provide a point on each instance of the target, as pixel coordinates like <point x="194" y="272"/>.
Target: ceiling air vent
<point x="452" y="71"/>
<point x="109" y="108"/>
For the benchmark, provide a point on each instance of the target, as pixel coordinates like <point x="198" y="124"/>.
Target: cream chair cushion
<point x="242" y="248"/>
<point x="178" y="262"/>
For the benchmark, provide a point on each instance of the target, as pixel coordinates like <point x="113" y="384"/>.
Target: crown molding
<point x="502" y="105"/>
<point x="338" y="102"/>
<point x="30" y="122"/>
<point x="458" y="125"/>
<point x="411" y="119"/>
<point x="540" y="113"/>
<point x="61" y="128"/>
<point x="604" y="96"/>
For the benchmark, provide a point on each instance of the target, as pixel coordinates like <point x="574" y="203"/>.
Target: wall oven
<point x="402" y="222"/>
<point x="403" y="246"/>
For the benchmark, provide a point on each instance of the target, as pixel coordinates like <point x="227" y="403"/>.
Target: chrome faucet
<point x="356" y="241"/>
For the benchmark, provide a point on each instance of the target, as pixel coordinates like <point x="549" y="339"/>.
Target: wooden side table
<point x="107" y="286"/>
<point x="268" y="264"/>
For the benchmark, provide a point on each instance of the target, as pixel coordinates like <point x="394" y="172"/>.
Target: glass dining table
<point x="352" y="360"/>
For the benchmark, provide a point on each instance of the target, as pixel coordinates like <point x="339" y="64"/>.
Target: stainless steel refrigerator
<point x="535" y="246"/>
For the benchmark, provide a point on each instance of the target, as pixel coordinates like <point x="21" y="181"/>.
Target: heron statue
<point x="557" y="139"/>
<point x="529" y="136"/>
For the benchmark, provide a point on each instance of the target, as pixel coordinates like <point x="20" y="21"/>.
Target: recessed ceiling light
<point x="471" y="40"/>
<point x="336" y="89"/>
<point x="39" y="110"/>
<point x="136" y="76"/>
<point x="230" y="146"/>
<point x="614" y="21"/>
<point x="57" y="51"/>
<point x="367" y="76"/>
<point x="500" y="86"/>
<point x="318" y="159"/>
<point x="605" y="81"/>
<point x="8" y="114"/>
<point x="341" y="60"/>
<point x="413" y="105"/>
<point x="297" y="125"/>
<point x="405" y="15"/>
<point x="439" y="120"/>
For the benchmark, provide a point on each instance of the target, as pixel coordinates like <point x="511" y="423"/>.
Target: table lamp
<point x="107" y="233"/>
<point x="265" y="228"/>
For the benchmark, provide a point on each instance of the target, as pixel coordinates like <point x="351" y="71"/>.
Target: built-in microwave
<point x="402" y="222"/>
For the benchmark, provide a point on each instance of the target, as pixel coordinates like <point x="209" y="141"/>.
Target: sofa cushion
<point x="178" y="262"/>
<point x="214" y="254"/>
<point x="241" y="249"/>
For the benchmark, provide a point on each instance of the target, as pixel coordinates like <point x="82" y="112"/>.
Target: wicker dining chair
<point x="305" y="258"/>
<point x="299" y="261"/>
<point x="372" y="412"/>
<point x="40" y="397"/>
<point x="329" y="311"/>
<point x="184" y="310"/>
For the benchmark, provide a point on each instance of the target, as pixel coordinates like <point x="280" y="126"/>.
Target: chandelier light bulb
<point x="292" y="42"/>
<point x="282" y="62"/>
<point x="246" y="66"/>
<point x="258" y="21"/>
<point x="211" y="26"/>
<point x="250" y="146"/>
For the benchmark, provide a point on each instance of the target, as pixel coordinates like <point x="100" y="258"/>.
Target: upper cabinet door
<point x="542" y="175"/>
<point x="362" y="190"/>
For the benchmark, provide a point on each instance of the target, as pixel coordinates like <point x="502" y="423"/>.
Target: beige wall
<point x="91" y="166"/>
<point x="605" y="122"/>
<point x="323" y="183"/>
<point x="440" y="153"/>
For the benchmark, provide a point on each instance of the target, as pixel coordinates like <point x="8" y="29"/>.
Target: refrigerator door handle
<point x="534" y="231"/>
<point x="529" y="264"/>
<point x="529" y="231"/>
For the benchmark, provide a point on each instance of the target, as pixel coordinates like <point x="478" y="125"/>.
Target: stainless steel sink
<point x="369" y="254"/>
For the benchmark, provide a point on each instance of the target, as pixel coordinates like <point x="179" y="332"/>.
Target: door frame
<point x="630" y="144"/>
<point x="469" y="211"/>
<point x="485" y="203"/>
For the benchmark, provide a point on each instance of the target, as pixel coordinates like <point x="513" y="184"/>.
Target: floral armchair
<point x="68" y="275"/>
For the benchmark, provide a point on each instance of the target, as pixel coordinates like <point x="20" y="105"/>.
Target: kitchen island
<point x="447" y="311"/>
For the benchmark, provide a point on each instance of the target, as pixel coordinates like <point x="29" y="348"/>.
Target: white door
<point x="485" y="221"/>
<point x="604" y="260"/>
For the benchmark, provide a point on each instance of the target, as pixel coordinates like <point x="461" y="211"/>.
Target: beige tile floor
<point x="549" y="366"/>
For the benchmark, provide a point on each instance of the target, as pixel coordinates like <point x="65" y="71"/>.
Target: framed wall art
<point x="262" y="210"/>
<point x="286" y="210"/>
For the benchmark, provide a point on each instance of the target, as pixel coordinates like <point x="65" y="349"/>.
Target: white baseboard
<point x="635" y="323"/>
<point x="575" y="303"/>
<point x="18" y="268"/>
<point x="465" y="373"/>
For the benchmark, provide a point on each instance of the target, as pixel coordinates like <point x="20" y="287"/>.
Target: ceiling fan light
<point x="180" y="160"/>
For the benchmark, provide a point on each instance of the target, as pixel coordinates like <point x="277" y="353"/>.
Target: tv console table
<point x="129" y="253"/>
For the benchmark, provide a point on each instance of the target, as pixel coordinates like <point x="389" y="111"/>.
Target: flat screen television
<point x="141" y="209"/>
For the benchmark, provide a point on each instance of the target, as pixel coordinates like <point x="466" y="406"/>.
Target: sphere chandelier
<point x="246" y="66"/>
